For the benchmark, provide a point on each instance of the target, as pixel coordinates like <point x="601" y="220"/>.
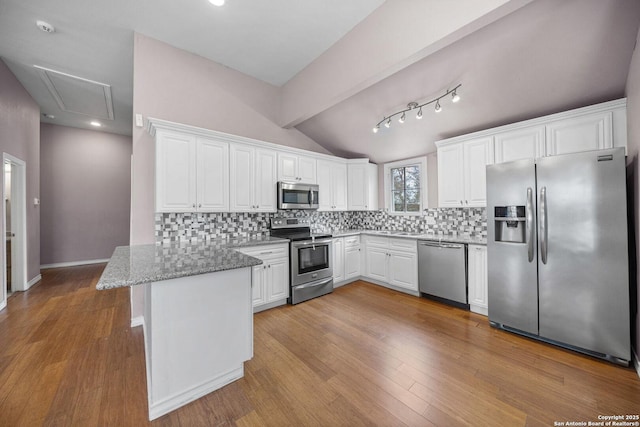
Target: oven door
<point x="311" y="261"/>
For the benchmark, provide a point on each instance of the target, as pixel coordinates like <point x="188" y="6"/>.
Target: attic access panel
<point x="78" y="95"/>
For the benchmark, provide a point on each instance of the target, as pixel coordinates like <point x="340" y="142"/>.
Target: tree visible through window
<point x="405" y="189"/>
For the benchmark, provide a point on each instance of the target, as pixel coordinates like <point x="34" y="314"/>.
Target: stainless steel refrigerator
<point x="557" y="251"/>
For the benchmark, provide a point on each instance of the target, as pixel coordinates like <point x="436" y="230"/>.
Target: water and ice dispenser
<point x="510" y="224"/>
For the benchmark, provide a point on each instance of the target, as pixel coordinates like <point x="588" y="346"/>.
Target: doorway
<point x="14" y="251"/>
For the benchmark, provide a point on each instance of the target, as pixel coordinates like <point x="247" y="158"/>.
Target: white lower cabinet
<point x="270" y="280"/>
<point x="338" y="260"/>
<point x="352" y="257"/>
<point x="392" y="261"/>
<point x="346" y="259"/>
<point x="477" y="278"/>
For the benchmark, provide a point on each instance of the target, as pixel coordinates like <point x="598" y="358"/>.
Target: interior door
<point x="583" y="261"/>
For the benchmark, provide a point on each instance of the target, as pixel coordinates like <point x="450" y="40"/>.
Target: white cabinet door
<point x="339" y="183"/>
<point x="266" y="178"/>
<point x="332" y="179"/>
<point x="338" y="259"/>
<point x="325" y="181"/>
<point x="362" y="187"/>
<point x="212" y="175"/>
<point x="589" y="132"/>
<point x="175" y="172"/>
<point x="377" y="261"/>
<point x="287" y="167"/>
<point x="477" y="155"/>
<point x="403" y="270"/>
<point x="478" y="299"/>
<point x="352" y="261"/>
<point x="450" y="176"/>
<point x="258" y="284"/>
<point x="307" y="169"/>
<point x="278" y="284"/>
<point x="242" y="170"/>
<point x="527" y="143"/>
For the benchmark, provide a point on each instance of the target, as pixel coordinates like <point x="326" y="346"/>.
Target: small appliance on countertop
<point x="310" y="258"/>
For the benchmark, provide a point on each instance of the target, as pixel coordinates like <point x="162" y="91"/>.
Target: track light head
<point x="438" y="106"/>
<point x="402" y="117"/>
<point x="454" y="96"/>
<point x="388" y="123"/>
<point x="419" y="115"/>
<point x="376" y="129"/>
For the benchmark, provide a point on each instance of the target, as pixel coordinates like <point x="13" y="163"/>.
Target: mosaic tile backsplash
<point x="172" y="227"/>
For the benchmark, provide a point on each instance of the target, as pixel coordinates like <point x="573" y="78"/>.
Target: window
<point x="405" y="186"/>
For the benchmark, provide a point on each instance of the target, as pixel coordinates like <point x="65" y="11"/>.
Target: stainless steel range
<point x="310" y="258"/>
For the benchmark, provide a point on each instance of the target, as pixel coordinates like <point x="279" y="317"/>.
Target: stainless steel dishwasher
<point x="442" y="270"/>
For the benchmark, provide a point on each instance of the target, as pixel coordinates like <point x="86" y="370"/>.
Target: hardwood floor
<point x="364" y="355"/>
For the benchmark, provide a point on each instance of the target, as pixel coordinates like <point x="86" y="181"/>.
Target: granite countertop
<point x="135" y="265"/>
<point x="450" y="238"/>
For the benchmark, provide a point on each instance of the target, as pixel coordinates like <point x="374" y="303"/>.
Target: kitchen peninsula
<point x="198" y="318"/>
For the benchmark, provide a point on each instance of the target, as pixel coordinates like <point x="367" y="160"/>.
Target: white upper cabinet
<point x="462" y="173"/>
<point x="192" y="173"/>
<point x="332" y="179"/>
<point x="450" y="176"/>
<point x="362" y="186"/>
<point x="527" y="143"/>
<point x="574" y="134"/>
<point x="253" y="179"/>
<point x="296" y="168"/>
<point x="212" y="184"/>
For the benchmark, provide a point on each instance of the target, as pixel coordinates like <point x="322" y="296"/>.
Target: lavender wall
<point x="633" y="150"/>
<point x="20" y="137"/>
<point x="85" y="194"/>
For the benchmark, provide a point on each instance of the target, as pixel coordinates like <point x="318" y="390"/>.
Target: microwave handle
<point x="310" y="197"/>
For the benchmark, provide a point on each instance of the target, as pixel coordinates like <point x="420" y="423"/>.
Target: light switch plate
<point x="139" y="121"/>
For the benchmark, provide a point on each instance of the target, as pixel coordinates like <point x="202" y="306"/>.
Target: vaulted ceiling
<point x="341" y="66"/>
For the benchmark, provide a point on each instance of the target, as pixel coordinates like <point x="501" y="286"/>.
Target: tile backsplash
<point x="172" y="227"/>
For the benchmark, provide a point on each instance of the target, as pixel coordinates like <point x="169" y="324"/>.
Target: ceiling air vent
<point x="77" y="95"/>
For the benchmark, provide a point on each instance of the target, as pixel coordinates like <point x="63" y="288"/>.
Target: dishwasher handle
<point x="441" y="245"/>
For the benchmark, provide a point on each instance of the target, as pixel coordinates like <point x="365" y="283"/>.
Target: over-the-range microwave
<point x="296" y="195"/>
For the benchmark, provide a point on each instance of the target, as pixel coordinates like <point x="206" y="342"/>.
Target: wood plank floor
<point x="364" y="355"/>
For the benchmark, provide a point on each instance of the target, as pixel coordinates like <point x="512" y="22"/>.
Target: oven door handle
<point x="311" y="243"/>
<point x="314" y="284"/>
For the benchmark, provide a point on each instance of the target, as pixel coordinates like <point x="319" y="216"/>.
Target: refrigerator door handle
<point x="529" y="223"/>
<point x="543" y="224"/>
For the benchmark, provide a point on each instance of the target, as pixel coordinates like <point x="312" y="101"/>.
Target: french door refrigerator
<point x="557" y="251"/>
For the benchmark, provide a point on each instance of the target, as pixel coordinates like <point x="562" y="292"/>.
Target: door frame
<point x="19" y="220"/>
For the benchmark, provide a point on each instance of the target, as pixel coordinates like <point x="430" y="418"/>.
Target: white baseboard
<point x="137" y="321"/>
<point x="273" y="304"/>
<point x="33" y="281"/>
<point x="74" y="263"/>
<point x="636" y="362"/>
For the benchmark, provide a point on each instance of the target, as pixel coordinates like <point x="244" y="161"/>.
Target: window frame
<point x="421" y="162"/>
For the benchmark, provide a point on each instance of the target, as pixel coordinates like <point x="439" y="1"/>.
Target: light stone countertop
<point x="449" y="238"/>
<point x="135" y="265"/>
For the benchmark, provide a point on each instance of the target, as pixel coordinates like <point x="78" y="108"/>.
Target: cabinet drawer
<point x="351" y="241"/>
<point x="266" y="251"/>
<point x="377" y="241"/>
<point x="406" y="245"/>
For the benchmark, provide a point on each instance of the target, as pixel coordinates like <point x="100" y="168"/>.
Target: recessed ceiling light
<point x="96" y="124"/>
<point x="217" y="2"/>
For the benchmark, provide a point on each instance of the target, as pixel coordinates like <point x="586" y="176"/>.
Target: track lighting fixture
<point x="413" y="105"/>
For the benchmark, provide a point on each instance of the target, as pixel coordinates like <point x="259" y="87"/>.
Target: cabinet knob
<point x="269" y="265"/>
<point x="199" y="205"/>
<point x="466" y="202"/>
<point x="461" y="202"/>
<point x="194" y="205"/>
